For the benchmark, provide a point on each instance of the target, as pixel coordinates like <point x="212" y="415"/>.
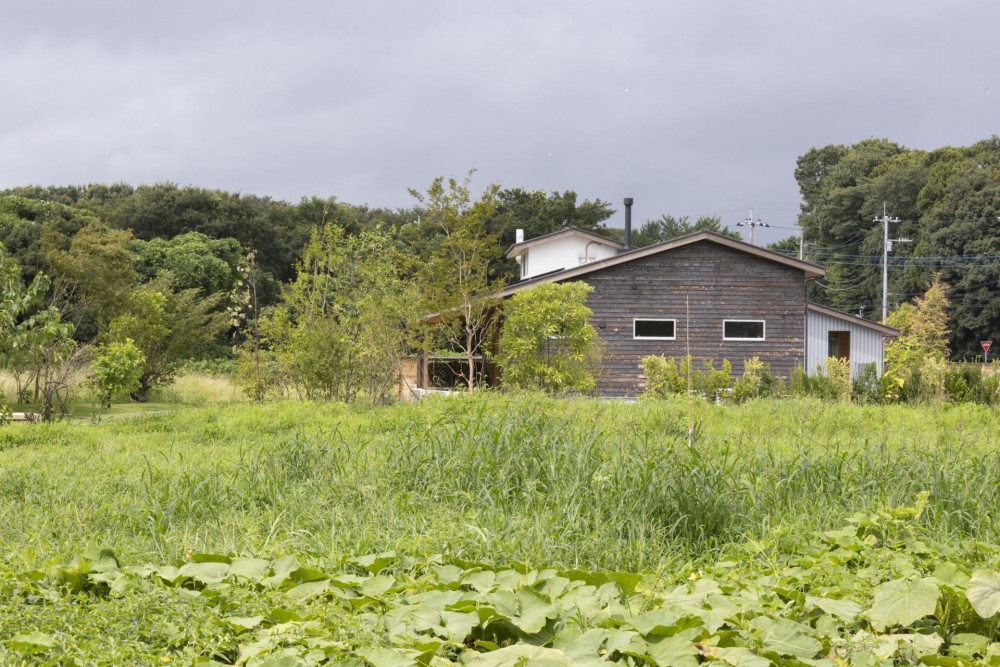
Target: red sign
<point x="986" y="345"/>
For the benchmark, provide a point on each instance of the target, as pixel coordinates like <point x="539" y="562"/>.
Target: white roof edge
<point x="847" y="317"/>
<point x="517" y="248"/>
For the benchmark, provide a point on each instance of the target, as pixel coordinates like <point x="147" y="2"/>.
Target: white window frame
<point x="653" y="319"/>
<point x="763" y="324"/>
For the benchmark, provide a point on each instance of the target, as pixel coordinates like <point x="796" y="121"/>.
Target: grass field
<point x="483" y="484"/>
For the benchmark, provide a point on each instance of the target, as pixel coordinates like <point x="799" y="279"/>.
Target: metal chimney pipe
<point x="628" y="223"/>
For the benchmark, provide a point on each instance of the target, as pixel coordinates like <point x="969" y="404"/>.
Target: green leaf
<point x="787" y="637"/>
<point x="377" y="586"/>
<point x="984" y="593"/>
<point x="384" y="657"/>
<point x="903" y="602"/>
<point x="676" y="651"/>
<point x="207" y="573"/>
<point x="968" y="646"/>
<point x="522" y="655"/>
<point x="34" y="642"/>
<point x="282" y="569"/>
<point x="243" y="622"/>
<point x="738" y="656"/>
<point x="375" y="563"/>
<point x="845" y="609"/>
<point x="249" y="568"/>
<point x="309" y="589"/>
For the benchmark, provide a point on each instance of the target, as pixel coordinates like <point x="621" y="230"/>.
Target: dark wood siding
<point x="720" y="284"/>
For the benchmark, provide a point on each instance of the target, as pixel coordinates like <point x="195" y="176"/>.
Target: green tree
<point x="35" y="341"/>
<point x="668" y="227"/>
<point x="920" y="352"/>
<point x="843" y="188"/>
<point x="547" y="341"/>
<point x="192" y="260"/>
<point x="117" y="369"/>
<point x="93" y="275"/>
<point x="343" y="325"/>
<point x="168" y="327"/>
<point x="457" y="280"/>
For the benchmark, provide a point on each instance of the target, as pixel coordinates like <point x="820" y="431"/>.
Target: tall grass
<point x="491" y="478"/>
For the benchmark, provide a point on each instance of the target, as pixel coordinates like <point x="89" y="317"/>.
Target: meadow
<point x="509" y="528"/>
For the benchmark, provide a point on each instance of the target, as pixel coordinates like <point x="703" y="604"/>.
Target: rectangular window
<point x="654" y="329"/>
<point x="743" y="330"/>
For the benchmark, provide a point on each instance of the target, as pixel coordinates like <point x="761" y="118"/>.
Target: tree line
<point x="323" y="298"/>
<point x="948" y="205"/>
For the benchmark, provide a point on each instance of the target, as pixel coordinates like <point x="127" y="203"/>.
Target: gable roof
<point x="519" y="248"/>
<point x="811" y="270"/>
<point x="885" y="330"/>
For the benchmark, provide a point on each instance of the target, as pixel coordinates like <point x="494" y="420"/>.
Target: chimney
<point x="628" y="223"/>
<point x="519" y="236"/>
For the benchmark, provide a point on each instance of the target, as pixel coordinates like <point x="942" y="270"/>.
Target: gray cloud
<point x="693" y="108"/>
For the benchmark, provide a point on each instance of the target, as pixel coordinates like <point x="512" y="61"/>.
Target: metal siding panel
<point x="866" y="344"/>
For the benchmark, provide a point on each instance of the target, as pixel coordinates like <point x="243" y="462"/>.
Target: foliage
<point x="92" y="275"/>
<point x="665" y="376"/>
<point x="547" y="342"/>
<point x="756" y="382"/>
<point x="947" y="202"/>
<point x="667" y="227"/>
<point x="168" y="327"/>
<point x="867" y="387"/>
<point x="257" y="373"/>
<point x="302" y="533"/>
<point x="662" y="378"/>
<point x="345" y="323"/>
<point x="35" y="341"/>
<point x="192" y="261"/>
<point x="966" y="383"/>
<point x="868" y="601"/>
<point x="838" y="372"/>
<point x="915" y="360"/>
<point x="456" y="278"/>
<point x="117" y="369"/>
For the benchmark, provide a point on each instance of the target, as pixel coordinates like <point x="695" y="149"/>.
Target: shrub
<point x="838" y="372"/>
<point x="662" y="377"/>
<point x="798" y="382"/>
<point x="117" y="369"/>
<point x="757" y="380"/>
<point x="867" y="387"/>
<point x="547" y="342"/>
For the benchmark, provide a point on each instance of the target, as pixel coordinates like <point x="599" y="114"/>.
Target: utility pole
<point x="751" y="223"/>
<point x="886" y="249"/>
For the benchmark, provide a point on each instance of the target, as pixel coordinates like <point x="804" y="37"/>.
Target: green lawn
<point x="454" y="486"/>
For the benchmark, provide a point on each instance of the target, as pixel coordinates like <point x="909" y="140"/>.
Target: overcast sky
<point x="692" y="107"/>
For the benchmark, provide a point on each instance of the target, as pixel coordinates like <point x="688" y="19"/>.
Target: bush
<point x="798" y="382"/>
<point x="117" y="369"/>
<point x="662" y="378"/>
<point x="757" y="381"/>
<point x="867" y="387"/>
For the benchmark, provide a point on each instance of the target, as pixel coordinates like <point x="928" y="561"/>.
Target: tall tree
<point x="457" y="278"/>
<point x="34" y="340"/>
<point x="343" y="324"/>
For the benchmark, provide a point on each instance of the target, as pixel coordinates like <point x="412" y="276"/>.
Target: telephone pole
<point x="751" y="223"/>
<point x="886" y="249"/>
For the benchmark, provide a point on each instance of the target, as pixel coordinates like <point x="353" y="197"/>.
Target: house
<point x="703" y="294"/>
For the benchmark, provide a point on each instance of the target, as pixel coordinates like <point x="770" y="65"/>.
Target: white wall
<point x="866" y="344"/>
<point x="564" y="252"/>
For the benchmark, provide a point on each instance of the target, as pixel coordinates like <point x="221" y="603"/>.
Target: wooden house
<point x="703" y="294"/>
